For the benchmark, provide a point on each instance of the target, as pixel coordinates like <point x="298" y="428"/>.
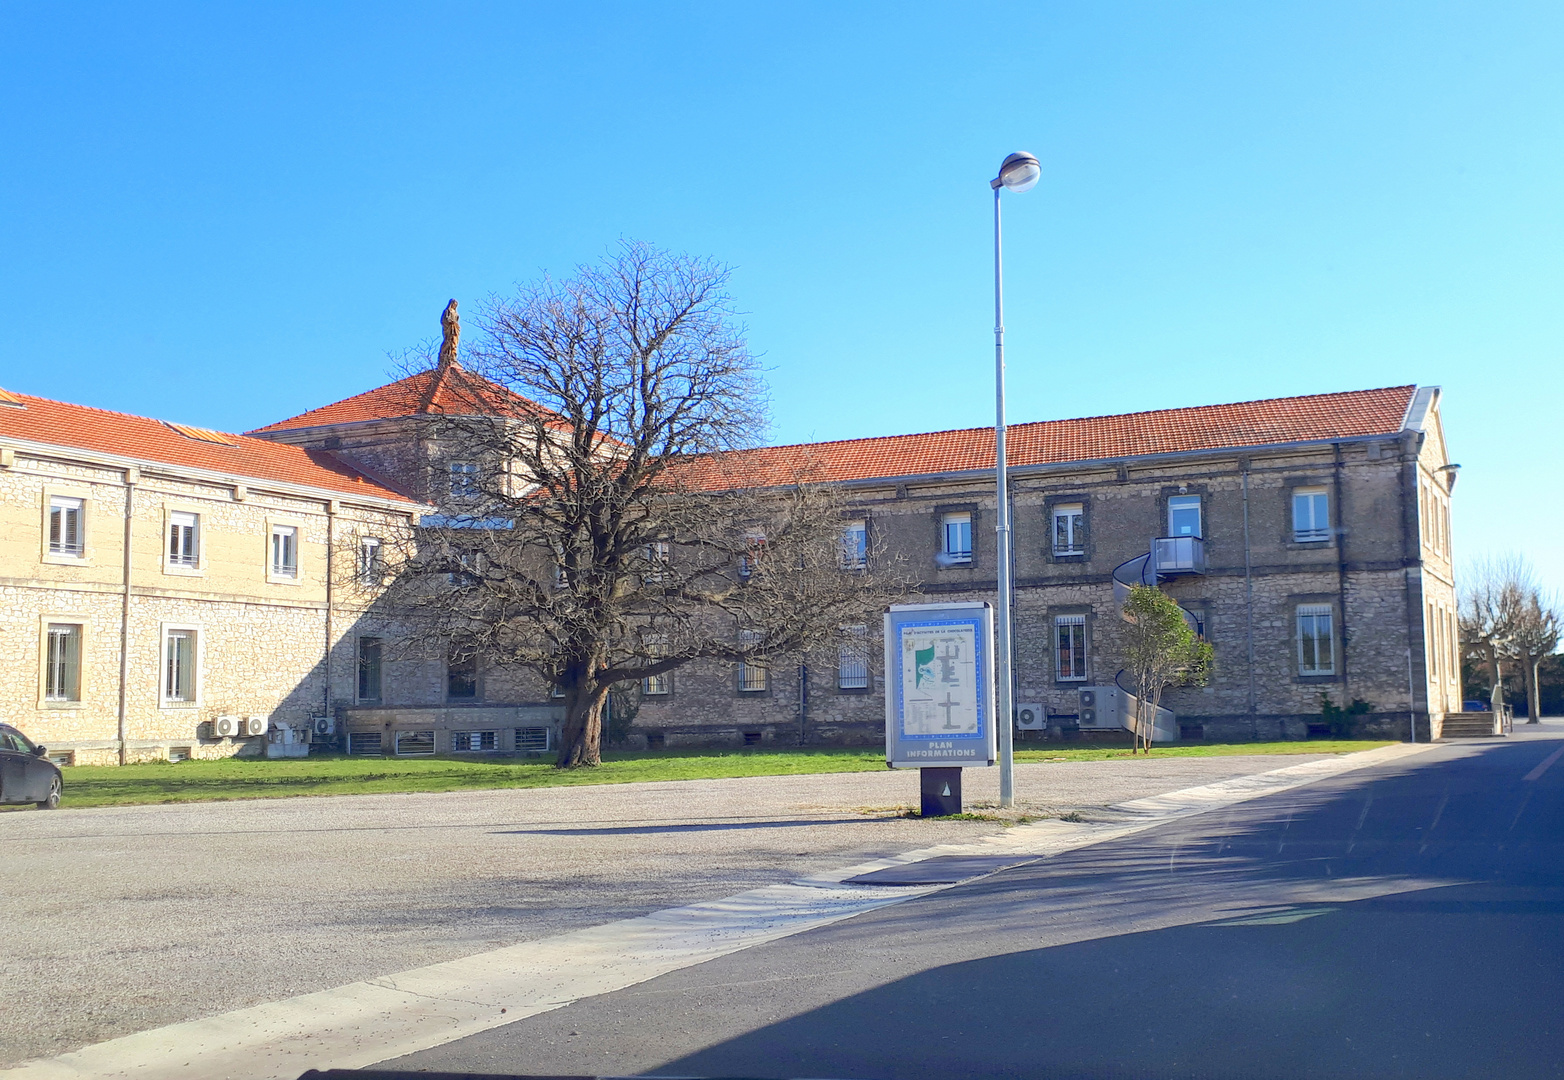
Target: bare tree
<point x="1160" y="650"/>
<point x="612" y="527"/>
<point x="1491" y="606"/>
<point x="1535" y="636"/>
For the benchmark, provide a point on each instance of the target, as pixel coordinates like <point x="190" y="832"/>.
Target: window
<point x="1184" y="515"/>
<point x="369" y="649"/>
<point x="1316" y="644"/>
<point x="184" y="536"/>
<point x="285" y="551"/>
<point x="656" y="647"/>
<point x="414" y="743"/>
<point x="956" y="538"/>
<point x="532" y="739"/>
<point x="656" y="556"/>
<point x="749" y="562"/>
<point x="852" y="659"/>
<point x="1070" y="529"/>
<point x="474" y="742"/>
<point x="461" y="677"/>
<point x="1310" y="515"/>
<point x="371" y="567"/>
<point x="855" y="545"/>
<point x="1070" y="647"/>
<point x="464" y="481"/>
<point x="179" y="666"/>
<point x="752" y="672"/>
<point x="65" y="527"/>
<point x="62" y="663"/>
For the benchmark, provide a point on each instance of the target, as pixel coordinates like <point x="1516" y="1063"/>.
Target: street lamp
<point x="1019" y="172"/>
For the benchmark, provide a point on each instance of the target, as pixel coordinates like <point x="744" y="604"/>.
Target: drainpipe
<point x="1341" y="568"/>
<point x="332" y="508"/>
<point x="132" y="476"/>
<point x="803" y="705"/>
<point x="1254" y="720"/>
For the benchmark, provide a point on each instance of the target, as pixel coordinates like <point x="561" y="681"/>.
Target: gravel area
<point x="121" y="919"/>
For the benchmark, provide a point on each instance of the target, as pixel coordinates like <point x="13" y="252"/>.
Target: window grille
<point x="461" y="677"/>
<point x="464" y="481"/>
<point x="656" y="649"/>
<point x="1070" y="647"/>
<point x="65" y="527"/>
<point x="852" y="659"/>
<point x="533" y="739"/>
<point x="752" y="671"/>
<point x="414" y="743"/>
<point x="474" y="742"/>
<point x="62" y="663"/>
<point x="364" y="742"/>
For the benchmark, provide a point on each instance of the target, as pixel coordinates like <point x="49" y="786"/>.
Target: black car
<point x="25" y="774"/>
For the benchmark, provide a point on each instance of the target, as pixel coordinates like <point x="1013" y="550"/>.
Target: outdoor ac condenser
<point x="323" y="726"/>
<point x="1101" y="707"/>
<point x="255" y="725"/>
<point x="225" y="726"/>
<point x="1031" y="717"/>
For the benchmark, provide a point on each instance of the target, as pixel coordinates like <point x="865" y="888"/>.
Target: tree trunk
<point x="1533" y="691"/>
<point x="581" y="735"/>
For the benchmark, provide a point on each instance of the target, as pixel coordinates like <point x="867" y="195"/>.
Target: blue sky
<point x="226" y="214"/>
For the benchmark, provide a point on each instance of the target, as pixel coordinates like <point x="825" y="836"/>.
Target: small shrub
<point x="1343" y="722"/>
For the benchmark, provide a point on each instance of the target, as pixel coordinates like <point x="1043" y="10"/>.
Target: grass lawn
<point x="335" y="774"/>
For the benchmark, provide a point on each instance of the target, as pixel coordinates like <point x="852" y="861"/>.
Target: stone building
<point x="1309" y="537"/>
<point x="163" y="585"/>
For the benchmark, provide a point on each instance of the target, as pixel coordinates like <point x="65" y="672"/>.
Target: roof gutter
<point x="282" y="487"/>
<point x="1077" y="463"/>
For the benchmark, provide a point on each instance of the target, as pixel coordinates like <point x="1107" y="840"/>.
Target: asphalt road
<point x="1403" y="921"/>
<point x="121" y="919"/>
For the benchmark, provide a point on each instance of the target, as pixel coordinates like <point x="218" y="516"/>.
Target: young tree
<point x="1161" y="649"/>
<point x="1535" y="637"/>
<point x="613" y="528"/>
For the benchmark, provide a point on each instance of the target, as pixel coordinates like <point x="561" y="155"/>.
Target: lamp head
<point x="1019" y="172"/>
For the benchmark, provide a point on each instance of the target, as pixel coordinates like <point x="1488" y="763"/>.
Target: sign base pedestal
<point x="941" y="791"/>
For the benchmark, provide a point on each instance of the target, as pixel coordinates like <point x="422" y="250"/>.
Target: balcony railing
<point x="1178" y="555"/>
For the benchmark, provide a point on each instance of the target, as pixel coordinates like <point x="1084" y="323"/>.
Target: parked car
<point x="26" y="775"/>
<point x="1477" y="706"/>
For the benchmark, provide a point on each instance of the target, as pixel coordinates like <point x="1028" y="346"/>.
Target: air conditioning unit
<point x="1101" y="707"/>
<point x="1031" y="717"/>
<point x="225" y="726"/>
<point x="323" y="726"/>
<point x="255" y="725"/>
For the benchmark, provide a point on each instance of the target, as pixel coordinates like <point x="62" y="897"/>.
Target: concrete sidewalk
<point x="123" y="919"/>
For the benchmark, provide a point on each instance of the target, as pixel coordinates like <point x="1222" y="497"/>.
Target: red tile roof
<point x="452" y="391"/>
<point x="1163" y="431"/>
<point x="78" y="427"/>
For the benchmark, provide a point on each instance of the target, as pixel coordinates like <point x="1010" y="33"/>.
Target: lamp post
<point x="1019" y="172"/>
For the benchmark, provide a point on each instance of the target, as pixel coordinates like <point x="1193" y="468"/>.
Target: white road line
<point x="1543" y="767"/>
<point x="365" y="1022"/>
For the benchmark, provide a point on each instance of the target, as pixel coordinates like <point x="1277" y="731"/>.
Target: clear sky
<point x="227" y="214"/>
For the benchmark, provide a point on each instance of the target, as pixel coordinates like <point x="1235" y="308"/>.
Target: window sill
<point x="176" y="570"/>
<point x="853" y="691"/>
<point x="1070" y="556"/>
<point x="283" y="579"/>
<point x="60" y="558"/>
<point x="176" y="706"/>
<point x="1078" y="680"/>
<point x="1310" y="679"/>
<point x="51" y="706"/>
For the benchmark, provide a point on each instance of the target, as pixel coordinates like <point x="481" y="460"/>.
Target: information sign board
<point x="939" y="686"/>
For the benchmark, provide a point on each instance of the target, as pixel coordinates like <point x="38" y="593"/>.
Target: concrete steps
<point x="1468" y="725"/>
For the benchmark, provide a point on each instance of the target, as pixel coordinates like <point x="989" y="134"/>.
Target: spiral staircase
<point x="1167" y="557"/>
